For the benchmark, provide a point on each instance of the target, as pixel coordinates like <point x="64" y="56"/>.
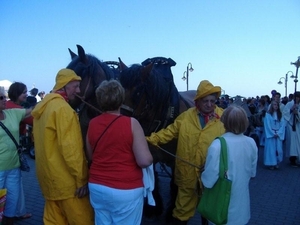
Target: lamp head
<point x="190" y="67"/>
<point x="279" y="82"/>
<point x="184" y="76"/>
<point x="297" y="63"/>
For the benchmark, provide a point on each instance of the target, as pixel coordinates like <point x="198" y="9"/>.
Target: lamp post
<point x="295" y="77"/>
<point x="297" y="64"/>
<point x="285" y="80"/>
<point x="285" y="83"/>
<point x="189" y="68"/>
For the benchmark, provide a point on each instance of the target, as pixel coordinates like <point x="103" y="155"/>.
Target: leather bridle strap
<point x="127" y="108"/>
<point x="88" y="104"/>
<point x="86" y="89"/>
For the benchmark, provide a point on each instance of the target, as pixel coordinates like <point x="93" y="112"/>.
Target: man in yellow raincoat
<point x="195" y="129"/>
<point x="61" y="165"/>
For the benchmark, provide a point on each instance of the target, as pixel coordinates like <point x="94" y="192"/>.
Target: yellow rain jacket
<point x="193" y="142"/>
<point x="61" y="165"/>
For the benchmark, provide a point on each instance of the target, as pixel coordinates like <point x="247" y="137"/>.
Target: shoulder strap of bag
<point x="106" y="130"/>
<point x="9" y="134"/>
<point x="223" y="158"/>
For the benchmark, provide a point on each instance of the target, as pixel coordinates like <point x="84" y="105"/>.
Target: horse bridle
<point x="133" y="110"/>
<point x="86" y="89"/>
<point x="88" y="104"/>
<point x="83" y="97"/>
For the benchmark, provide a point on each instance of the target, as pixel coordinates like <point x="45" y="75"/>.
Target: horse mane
<point x="155" y="87"/>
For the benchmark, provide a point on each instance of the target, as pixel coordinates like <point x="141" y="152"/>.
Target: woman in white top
<point x="242" y="161"/>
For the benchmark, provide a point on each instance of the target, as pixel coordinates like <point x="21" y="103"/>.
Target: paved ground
<point x="275" y="196"/>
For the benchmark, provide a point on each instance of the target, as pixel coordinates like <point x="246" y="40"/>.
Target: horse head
<point x="92" y="72"/>
<point x="147" y="92"/>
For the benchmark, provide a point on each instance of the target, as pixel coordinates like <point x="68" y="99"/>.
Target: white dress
<point x="273" y="153"/>
<point x="292" y="143"/>
<point x="242" y="162"/>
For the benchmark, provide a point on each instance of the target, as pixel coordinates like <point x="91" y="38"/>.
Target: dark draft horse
<point x="92" y="72"/>
<point x="152" y="98"/>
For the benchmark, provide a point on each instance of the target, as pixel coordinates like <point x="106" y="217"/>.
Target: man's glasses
<point x="2" y="97"/>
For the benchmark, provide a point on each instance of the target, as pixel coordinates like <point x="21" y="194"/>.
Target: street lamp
<point x="189" y="68"/>
<point x="285" y="80"/>
<point x="297" y="64"/>
<point x="285" y="83"/>
<point x="295" y="77"/>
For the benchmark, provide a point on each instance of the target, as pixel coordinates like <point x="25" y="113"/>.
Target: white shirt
<point x="242" y="162"/>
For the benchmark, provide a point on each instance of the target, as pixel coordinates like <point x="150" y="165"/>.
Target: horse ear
<point x="81" y="54"/>
<point x="122" y="65"/>
<point x="146" y="70"/>
<point x="73" y="55"/>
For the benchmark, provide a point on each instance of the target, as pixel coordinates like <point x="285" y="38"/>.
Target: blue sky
<point x="242" y="46"/>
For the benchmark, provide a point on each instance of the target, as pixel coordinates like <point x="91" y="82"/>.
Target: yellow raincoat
<point x="61" y="165"/>
<point x="193" y="142"/>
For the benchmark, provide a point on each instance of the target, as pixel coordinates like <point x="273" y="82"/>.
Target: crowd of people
<point x="106" y="179"/>
<point x="274" y="121"/>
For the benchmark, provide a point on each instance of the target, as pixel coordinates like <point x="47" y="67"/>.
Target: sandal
<point x="25" y="216"/>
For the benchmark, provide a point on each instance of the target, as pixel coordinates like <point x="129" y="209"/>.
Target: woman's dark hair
<point x="268" y="99"/>
<point x="15" y="90"/>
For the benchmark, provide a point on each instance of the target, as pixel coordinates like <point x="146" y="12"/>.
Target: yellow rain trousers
<point x="61" y="165"/>
<point x="193" y="142"/>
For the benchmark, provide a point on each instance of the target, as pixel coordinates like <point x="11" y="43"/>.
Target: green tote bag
<point x="214" y="201"/>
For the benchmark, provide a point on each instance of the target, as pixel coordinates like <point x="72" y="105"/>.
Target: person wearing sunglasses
<point x="17" y="94"/>
<point x="10" y="173"/>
